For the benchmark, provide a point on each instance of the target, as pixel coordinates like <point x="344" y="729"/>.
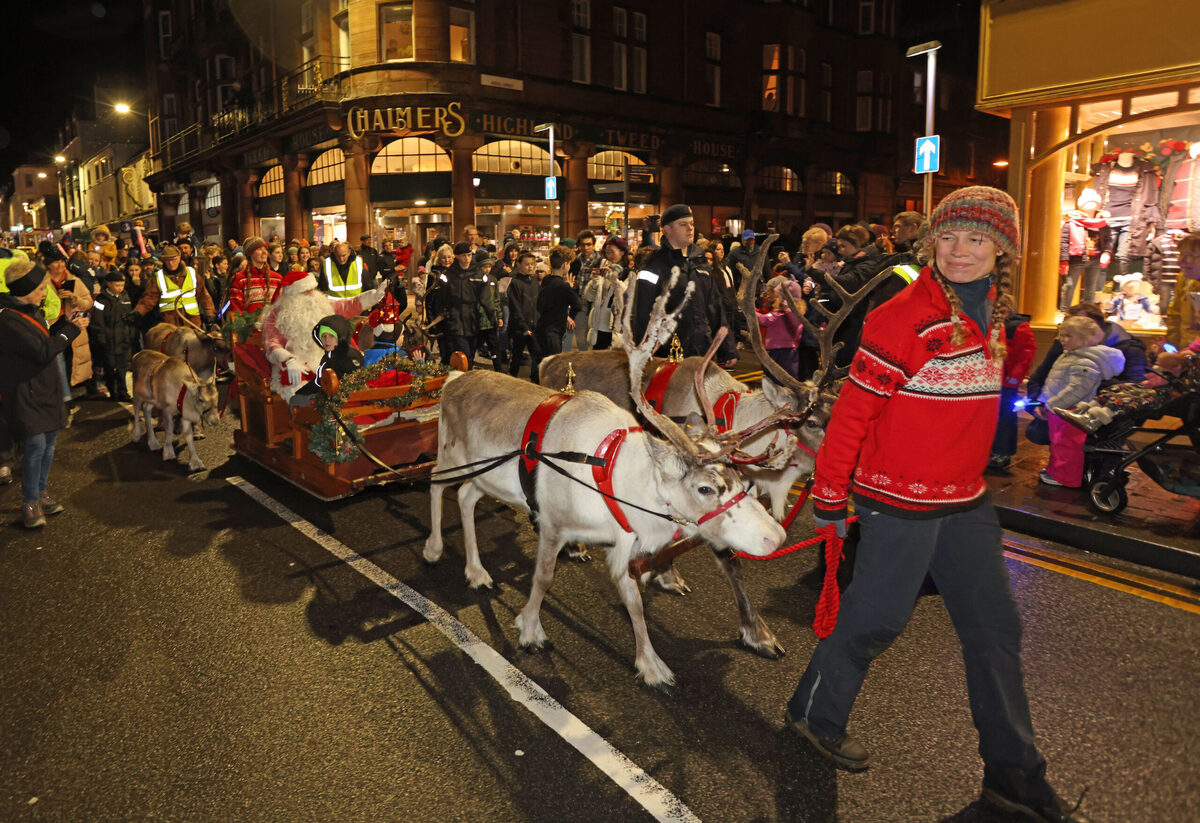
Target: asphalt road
<point x="173" y="650"/>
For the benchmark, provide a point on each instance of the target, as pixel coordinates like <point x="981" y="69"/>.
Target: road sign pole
<point x="931" y="79"/>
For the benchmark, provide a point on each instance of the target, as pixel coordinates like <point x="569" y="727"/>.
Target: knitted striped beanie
<point x="982" y="209"/>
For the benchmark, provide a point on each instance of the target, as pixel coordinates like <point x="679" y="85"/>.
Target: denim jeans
<point x="35" y="466"/>
<point x="1092" y="283"/>
<point x="962" y="552"/>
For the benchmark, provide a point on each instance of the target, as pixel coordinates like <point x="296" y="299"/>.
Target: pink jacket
<point x="782" y="329"/>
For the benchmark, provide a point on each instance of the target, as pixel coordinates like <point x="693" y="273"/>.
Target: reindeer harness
<point x="724" y="408"/>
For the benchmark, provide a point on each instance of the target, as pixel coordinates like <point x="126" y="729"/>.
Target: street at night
<point x="189" y="654"/>
<point x="607" y="410"/>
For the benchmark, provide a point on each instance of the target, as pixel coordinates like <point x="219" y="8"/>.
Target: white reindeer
<point x="667" y="489"/>
<point x="169" y="385"/>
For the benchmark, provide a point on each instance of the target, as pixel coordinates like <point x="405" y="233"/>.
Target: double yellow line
<point x="1146" y="588"/>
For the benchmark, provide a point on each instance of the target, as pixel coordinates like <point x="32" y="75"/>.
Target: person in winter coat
<point x="782" y="329"/>
<point x="1075" y="377"/>
<point x="113" y="333"/>
<point x="457" y="300"/>
<point x="491" y="316"/>
<point x="1017" y="361"/>
<point x="30" y="384"/>
<point x="909" y="437"/>
<point x="861" y="260"/>
<point x="704" y="313"/>
<point x="1183" y="316"/>
<point x="522" y="312"/>
<point x="1115" y="337"/>
<point x="73" y="292"/>
<point x="557" y="305"/>
<point x="601" y="294"/>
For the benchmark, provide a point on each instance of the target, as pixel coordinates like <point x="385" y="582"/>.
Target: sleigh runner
<point x="378" y="426"/>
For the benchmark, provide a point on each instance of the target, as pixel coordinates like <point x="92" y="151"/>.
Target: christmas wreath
<point x="241" y="323"/>
<point x="331" y="442"/>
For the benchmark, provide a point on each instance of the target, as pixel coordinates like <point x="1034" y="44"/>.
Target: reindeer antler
<point x="701" y="394"/>
<point x="658" y="331"/>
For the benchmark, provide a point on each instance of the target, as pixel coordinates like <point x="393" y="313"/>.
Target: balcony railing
<point x="313" y="82"/>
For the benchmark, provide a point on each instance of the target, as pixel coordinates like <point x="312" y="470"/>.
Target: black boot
<point x="1027" y="793"/>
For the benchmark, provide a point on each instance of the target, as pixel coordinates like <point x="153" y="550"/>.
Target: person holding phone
<point x="33" y="407"/>
<point x="74" y="296"/>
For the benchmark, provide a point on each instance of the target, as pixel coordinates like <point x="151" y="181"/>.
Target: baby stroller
<point x="1108" y="454"/>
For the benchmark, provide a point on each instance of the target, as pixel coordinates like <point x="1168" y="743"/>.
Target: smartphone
<point x="69" y="284"/>
<point x="81" y="314"/>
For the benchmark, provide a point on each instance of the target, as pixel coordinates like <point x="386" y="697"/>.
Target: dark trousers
<point x="788" y="358"/>
<point x="1005" y="441"/>
<point x="962" y="552"/>
<point x="546" y="341"/>
<point x="115" y="366"/>
<point x="451" y="343"/>
<point x="810" y="361"/>
<point x="520" y="344"/>
<point x="603" y="340"/>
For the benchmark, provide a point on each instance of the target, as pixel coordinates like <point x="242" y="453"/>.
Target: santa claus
<point x="288" y="324"/>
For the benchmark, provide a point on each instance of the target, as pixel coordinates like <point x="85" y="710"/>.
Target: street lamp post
<point x="929" y="49"/>
<point x="538" y="129"/>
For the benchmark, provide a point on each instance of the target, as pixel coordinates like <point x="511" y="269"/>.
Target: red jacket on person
<point x="912" y="429"/>
<point x="252" y="288"/>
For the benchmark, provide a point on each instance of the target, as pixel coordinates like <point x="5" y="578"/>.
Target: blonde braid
<point x="1003" y="307"/>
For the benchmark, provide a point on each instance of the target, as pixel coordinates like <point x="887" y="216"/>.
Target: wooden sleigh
<point x="277" y="436"/>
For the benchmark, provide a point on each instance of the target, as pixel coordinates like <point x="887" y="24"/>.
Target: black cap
<point x="462" y="247"/>
<point x="676" y="212"/>
<point x="364" y="238"/>
<point x="113" y="276"/>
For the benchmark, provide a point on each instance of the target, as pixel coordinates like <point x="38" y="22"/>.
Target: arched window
<point x="779" y="178"/>
<point x="513" y="157"/>
<point x="711" y="173"/>
<point x="272" y="182"/>
<point x="329" y="167"/>
<point x="212" y="200"/>
<point x="410" y="154"/>
<point x="610" y="165"/>
<point x="836" y="183"/>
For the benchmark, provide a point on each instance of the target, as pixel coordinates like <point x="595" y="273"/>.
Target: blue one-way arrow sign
<point x="928" y="151"/>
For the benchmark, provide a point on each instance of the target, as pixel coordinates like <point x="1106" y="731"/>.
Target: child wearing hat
<point x="909" y="438"/>
<point x="113" y="333"/>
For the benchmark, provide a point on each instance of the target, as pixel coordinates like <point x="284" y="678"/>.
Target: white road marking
<point x="647" y="791"/>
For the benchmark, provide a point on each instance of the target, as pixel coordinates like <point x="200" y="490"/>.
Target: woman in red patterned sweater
<point x="909" y="438"/>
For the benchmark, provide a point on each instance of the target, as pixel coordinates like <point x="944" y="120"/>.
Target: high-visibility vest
<point x="906" y="272"/>
<point x="170" y="295"/>
<point x="351" y="286"/>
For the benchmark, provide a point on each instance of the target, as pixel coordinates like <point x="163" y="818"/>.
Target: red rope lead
<point x="827" y="605"/>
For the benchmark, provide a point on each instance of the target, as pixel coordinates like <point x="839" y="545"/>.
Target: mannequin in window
<point x="1128" y="189"/>
<point x="1181" y="191"/>
<point x="1085" y="248"/>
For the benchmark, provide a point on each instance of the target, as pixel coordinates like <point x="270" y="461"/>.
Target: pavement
<point x="172" y="649"/>
<point x="1158" y="529"/>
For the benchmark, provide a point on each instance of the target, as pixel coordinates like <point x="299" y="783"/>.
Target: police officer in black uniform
<point x="704" y="314"/>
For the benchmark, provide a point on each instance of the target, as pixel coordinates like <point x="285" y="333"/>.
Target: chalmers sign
<point x="447" y="119"/>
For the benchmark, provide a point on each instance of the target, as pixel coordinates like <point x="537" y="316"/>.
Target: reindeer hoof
<point x="195" y="466"/>
<point x="671" y="581"/>
<point x="480" y="580"/>
<point x="432" y="552"/>
<point x="532" y="640"/>
<point x="576" y="553"/>
<point x="769" y="649"/>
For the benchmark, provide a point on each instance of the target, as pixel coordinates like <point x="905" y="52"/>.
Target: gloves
<point x="1105" y="258"/>
<point x="294" y="372"/>
<point x="369" y="298"/>
<point x="132" y="319"/>
<point x="1063" y="266"/>
<point x="840" y="523"/>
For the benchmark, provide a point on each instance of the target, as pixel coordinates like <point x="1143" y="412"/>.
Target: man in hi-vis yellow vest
<point x="175" y="289"/>
<point x="343" y="273"/>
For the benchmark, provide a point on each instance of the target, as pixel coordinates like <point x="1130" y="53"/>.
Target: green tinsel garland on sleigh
<point x="329" y="441"/>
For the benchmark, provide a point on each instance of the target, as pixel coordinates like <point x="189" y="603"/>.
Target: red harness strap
<point x="531" y="442"/>
<point x="608" y="450"/>
<point x="658" y="384"/>
<point x="179" y="400"/>
<point x="724" y="507"/>
<point x="163" y="346"/>
<point x="724" y="409"/>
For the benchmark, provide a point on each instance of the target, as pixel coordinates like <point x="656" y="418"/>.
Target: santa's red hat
<point x="296" y="282"/>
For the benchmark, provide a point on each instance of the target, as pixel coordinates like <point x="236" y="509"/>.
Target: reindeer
<point x="202" y="350"/>
<point x="170" y="385"/>
<point x="661" y="489"/>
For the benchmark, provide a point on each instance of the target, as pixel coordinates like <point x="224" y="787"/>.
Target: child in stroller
<point x="1120" y="410"/>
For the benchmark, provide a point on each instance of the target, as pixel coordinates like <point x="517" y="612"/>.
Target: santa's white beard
<point x="295" y="316"/>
